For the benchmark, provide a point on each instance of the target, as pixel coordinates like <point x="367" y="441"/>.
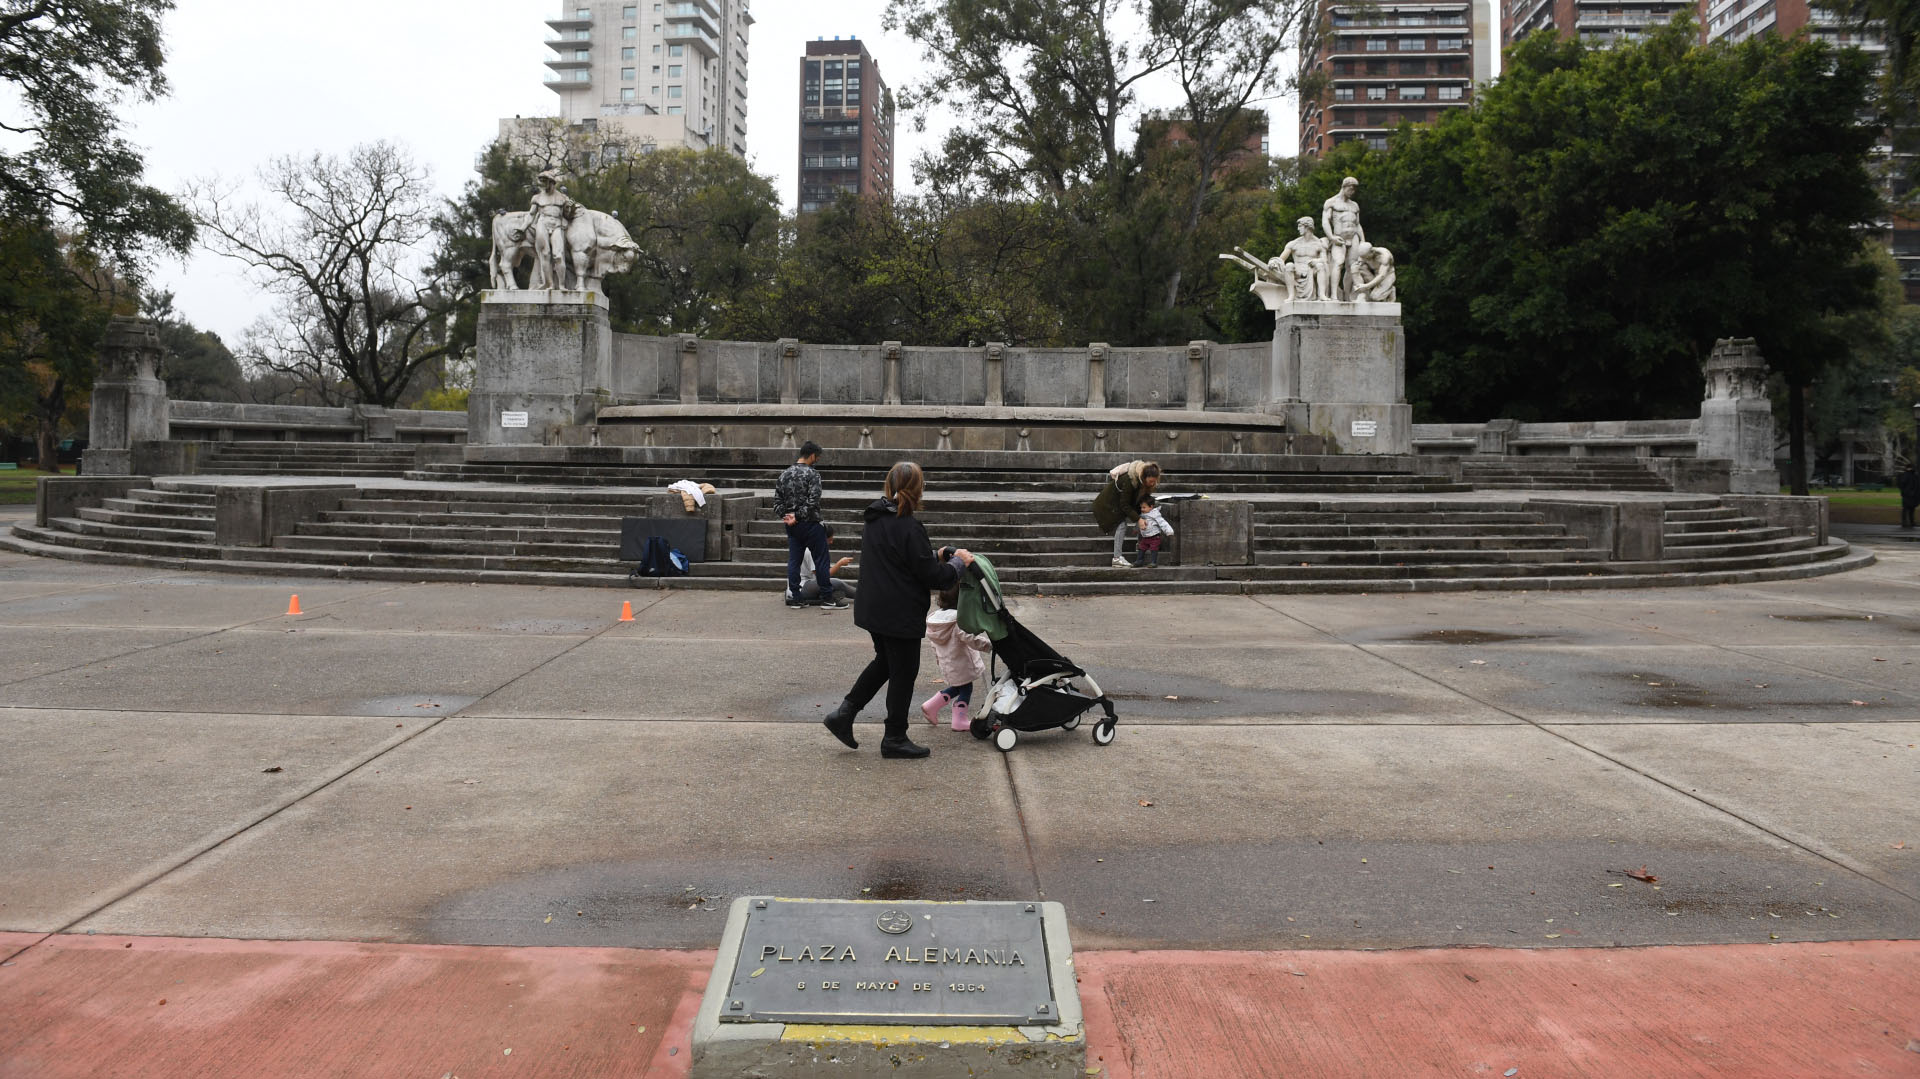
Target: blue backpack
<point x="661" y="559"/>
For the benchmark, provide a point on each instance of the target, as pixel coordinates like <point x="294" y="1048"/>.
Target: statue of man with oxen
<point x="572" y="247"/>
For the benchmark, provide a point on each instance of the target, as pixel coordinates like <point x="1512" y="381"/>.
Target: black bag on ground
<point x="661" y="560"/>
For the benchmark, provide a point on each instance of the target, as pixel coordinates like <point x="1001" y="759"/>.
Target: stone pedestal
<point x="129" y="400"/>
<point x="544" y="362"/>
<point x="1736" y="418"/>
<point x="1340" y="372"/>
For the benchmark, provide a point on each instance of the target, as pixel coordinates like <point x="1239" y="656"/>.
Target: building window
<point x="582" y="54"/>
<point x="1413" y="44"/>
<point x="626" y="93"/>
<point x="583" y="13"/>
<point x="673" y="71"/>
<point x="656" y="69"/>
<point x="653" y="91"/>
<point x="1452" y="93"/>
<point x="1413" y="93"/>
<point x="626" y="74"/>
<point x="1376" y="93"/>
<point x="656" y="50"/>
<point x="1446" y="43"/>
<point x="676" y="91"/>
<point x="628" y="33"/>
<point x="1376" y="142"/>
<point x="1343" y="93"/>
<point x="628" y="53"/>
<point x="1413" y="67"/>
<point x="1377" y="118"/>
<point x="1376" y="67"/>
<point x="630" y="12"/>
<point x="676" y="50"/>
<point x="1376" y="44"/>
<point x="676" y="110"/>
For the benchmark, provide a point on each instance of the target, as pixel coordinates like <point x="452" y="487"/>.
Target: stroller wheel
<point x="1103" y="732"/>
<point x="1004" y="739"/>
<point x="1071" y="724"/>
<point x="982" y="729"/>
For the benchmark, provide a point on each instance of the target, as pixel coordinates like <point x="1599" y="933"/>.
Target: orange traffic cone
<point x="293" y="605"/>
<point x="626" y="611"/>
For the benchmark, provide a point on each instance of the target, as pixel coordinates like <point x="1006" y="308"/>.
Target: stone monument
<point x="545" y="352"/>
<point x="1339" y="367"/>
<point x="129" y="400"/>
<point x="1736" y="417"/>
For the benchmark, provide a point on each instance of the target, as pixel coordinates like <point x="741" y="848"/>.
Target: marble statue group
<point x="571" y="246"/>
<point x="1340" y="266"/>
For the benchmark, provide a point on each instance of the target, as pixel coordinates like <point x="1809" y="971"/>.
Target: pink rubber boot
<point x="961" y="721"/>
<point x="931" y="709"/>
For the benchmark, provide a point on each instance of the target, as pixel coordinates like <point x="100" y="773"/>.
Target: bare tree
<point x="358" y="318"/>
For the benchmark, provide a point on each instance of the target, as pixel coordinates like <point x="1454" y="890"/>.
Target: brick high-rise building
<point x="846" y="124"/>
<point x="660" y="72"/>
<point x="1391" y="61"/>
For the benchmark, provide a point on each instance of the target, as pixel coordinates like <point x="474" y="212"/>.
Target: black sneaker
<point x="834" y="604"/>
<point x="795" y="604"/>
<point x="901" y="748"/>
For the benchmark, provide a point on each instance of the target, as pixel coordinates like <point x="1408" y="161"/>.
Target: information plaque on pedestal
<point x="862" y="979"/>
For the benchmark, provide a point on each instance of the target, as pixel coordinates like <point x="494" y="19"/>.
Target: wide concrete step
<point x="1785" y="542"/>
<point x="145" y="520"/>
<point x="91" y="527"/>
<point x="1733" y="523"/>
<point x="1284" y="519"/>
<point x="174" y="498"/>
<point x="156" y="508"/>
<point x="68" y="532"/>
<point x="1416" y="542"/>
<point x="1464" y="556"/>
<point x="1363" y="528"/>
<point x="1753" y="532"/>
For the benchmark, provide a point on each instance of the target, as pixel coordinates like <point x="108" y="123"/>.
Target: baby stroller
<point x="1041" y="690"/>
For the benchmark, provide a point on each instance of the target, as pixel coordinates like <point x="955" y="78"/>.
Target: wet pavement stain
<point x="1471" y="636"/>
<point x="424" y="704"/>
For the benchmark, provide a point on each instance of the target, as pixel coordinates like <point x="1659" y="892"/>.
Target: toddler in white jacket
<point x="959" y="655"/>
<point x="1153" y="529"/>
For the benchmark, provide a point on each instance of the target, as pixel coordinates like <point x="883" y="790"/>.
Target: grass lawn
<point x="16" y="488"/>
<point x="1849" y="506"/>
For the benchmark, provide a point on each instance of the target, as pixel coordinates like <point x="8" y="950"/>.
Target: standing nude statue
<point x="553" y="211"/>
<point x="1340" y="220"/>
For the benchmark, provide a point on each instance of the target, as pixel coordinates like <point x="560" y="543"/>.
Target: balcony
<point x="568" y="81"/>
<point x="835" y="113"/>
<point x="568" y="24"/>
<point x="569" y="61"/>
<point x="691" y="34"/>
<point x="570" y="41"/>
<point x="693" y="15"/>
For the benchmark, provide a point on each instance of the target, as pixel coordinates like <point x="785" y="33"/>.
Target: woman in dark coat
<point x="1118" y="504"/>
<point x="898" y="571"/>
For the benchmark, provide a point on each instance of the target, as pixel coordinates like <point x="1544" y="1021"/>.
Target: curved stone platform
<point x="1042" y="541"/>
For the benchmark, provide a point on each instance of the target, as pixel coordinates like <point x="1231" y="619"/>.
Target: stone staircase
<point x="346" y="459"/>
<point x="535" y="535"/>
<point x="1560" y="474"/>
<point x="844" y="478"/>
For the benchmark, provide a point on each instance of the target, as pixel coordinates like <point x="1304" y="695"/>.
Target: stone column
<point x="996" y="359"/>
<point x="1496" y="437"/>
<point x="687" y="347"/>
<point x="1097" y="374"/>
<point x="1736" y="418"/>
<point x="376" y="424"/>
<point x="129" y="400"/>
<point x="544" y="361"/>
<point x="1197" y="352"/>
<point x="891" y="395"/>
<point x="789" y="371"/>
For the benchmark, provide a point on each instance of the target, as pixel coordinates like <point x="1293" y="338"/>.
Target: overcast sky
<point x="252" y="81"/>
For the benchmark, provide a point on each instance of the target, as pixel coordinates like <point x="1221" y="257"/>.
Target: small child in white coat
<point x="959" y="654"/>
<point x="1153" y="527"/>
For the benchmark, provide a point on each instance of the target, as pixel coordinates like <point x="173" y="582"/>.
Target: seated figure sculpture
<point x="1372" y="274"/>
<point x="1302" y="265"/>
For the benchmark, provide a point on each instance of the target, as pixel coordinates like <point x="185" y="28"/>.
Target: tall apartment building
<point x="1393" y="61"/>
<point x="846" y="124"/>
<point x="665" y="72"/>
<point x="1599" y="22"/>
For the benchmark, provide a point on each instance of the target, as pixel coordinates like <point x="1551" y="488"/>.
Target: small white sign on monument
<point x="1366" y="428"/>
<point x="515" y="419"/>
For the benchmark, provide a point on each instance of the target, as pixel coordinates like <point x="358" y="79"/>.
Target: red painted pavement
<point x="1754" y="1011"/>
<point x="91" y="1006"/>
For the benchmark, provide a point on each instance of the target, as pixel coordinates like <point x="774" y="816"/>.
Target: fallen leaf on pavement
<point x="1642" y="874"/>
<point x="1171" y="697"/>
<point x="1858" y="703"/>
<point x="1145" y="802"/>
<point x="1902" y="845"/>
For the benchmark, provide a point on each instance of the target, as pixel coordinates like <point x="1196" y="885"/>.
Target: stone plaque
<point x="1366" y="428"/>
<point x="916" y="963"/>
<point x="513" y="419"/>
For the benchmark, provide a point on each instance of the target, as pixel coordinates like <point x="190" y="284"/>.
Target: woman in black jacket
<point x="898" y="570"/>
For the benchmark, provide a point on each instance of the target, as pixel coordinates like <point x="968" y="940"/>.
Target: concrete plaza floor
<point x="456" y="765"/>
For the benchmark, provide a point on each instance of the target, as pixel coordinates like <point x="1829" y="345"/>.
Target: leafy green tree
<point x="69" y="64"/>
<point x="55" y="301"/>
<point x="195" y="364"/>
<point x="1572" y="246"/>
